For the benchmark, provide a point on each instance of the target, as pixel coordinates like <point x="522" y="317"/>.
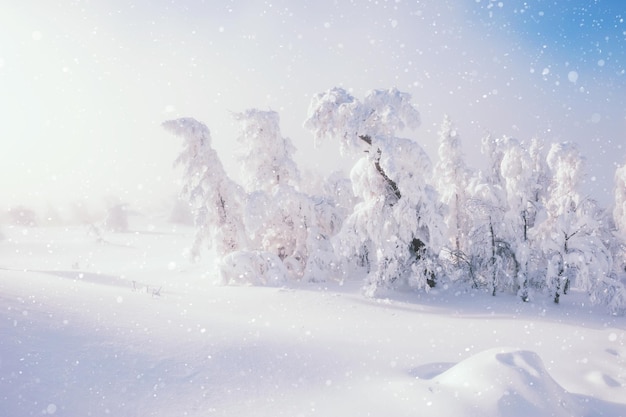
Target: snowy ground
<point x="127" y="327"/>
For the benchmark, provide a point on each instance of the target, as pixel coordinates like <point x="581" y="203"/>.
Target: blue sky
<point x="576" y="51"/>
<point x="590" y="34"/>
<point x="593" y="29"/>
<point x="84" y="85"/>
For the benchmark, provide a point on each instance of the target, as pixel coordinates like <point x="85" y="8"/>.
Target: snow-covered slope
<point x="126" y="326"/>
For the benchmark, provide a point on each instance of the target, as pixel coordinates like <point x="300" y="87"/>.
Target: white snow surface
<point x="126" y="326"/>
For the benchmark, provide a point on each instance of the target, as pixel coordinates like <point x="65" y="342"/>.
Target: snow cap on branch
<point x="197" y="153"/>
<point x="194" y="132"/>
<point x="337" y="114"/>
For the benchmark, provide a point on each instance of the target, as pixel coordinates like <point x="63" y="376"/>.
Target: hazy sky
<point x="84" y="85"/>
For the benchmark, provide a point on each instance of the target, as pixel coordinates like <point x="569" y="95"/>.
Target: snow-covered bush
<point x="252" y="268"/>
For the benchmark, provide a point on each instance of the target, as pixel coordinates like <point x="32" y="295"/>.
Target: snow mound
<point x="506" y="382"/>
<point x="252" y="268"/>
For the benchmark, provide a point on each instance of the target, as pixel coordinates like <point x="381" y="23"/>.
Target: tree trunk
<point x="457" y="238"/>
<point x="557" y="292"/>
<point x="391" y="184"/>
<point x="494" y="275"/>
<point x="566" y="249"/>
<point x="524" y="285"/>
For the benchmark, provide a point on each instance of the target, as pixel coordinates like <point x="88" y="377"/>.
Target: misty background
<point x="85" y="85"/>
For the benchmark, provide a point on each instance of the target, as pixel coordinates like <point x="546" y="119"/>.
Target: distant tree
<point x="52" y="215"/>
<point x="23" y="216"/>
<point x="81" y="213"/>
<point x="181" y="212"/>
<point x="116" y="218"/>
<point x="397" y="226"/>
<point x="216" y="201"/>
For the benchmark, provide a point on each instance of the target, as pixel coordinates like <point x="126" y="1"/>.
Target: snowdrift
<point x="507" y="382"/>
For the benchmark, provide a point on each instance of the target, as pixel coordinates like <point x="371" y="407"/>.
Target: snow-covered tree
<point x="216" y="201"/>
<point x="279" y="218"/>
<point x="619" y="208"/>
<point x="490" y="255"/>
<point x="570" y="235"/>
<point x="609" y="287"/>
<point x="541" y="178"/>
<point x="451" y="177"/>
<point x="491" y="259"/>
<point x="520" y="179"/>
<point x="616" y="289"/>
<point x="268" y="174"/>
<point x="397" y="225"/>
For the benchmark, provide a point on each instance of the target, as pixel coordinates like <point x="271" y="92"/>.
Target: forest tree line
<point x="520" y="225"/>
